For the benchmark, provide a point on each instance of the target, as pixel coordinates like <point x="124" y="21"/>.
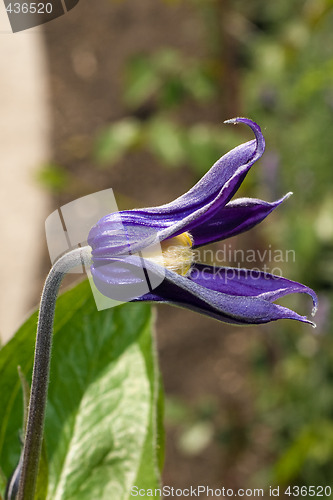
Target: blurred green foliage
<point x="194" y="425"/>
<point x="168" y="77"/>
<point x="53" y="177"/>
<point x="155" y="88"/>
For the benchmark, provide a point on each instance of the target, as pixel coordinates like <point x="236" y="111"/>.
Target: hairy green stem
<point x="40" y="378"/>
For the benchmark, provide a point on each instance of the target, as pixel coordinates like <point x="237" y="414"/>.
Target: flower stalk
<point x="29" y="461"/>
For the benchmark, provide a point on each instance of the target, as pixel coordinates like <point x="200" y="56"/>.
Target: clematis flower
<point x="124" y="245"/>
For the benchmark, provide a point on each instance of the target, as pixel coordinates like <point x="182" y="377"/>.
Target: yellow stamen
<point x="177" y="254"/>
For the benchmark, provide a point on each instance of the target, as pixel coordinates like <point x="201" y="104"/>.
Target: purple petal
<point x="234" y="218"/>
<point x="236" y="308"/>
<point x="216" y="187"/>
<point x="121" y="233"/>
<point x="193" y="208"/>
<point x="248" y="282"/>
<point x="230" y="295"/>
<point x="126" y="277"/>
<point x="237" y="305"/>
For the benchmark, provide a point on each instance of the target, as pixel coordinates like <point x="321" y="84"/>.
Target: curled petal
<point x="193" y="208"/>
<point x="215" y="188"/>
<point x="236" y="217"/>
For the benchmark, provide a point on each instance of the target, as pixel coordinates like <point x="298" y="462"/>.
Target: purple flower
<point x="125" y="259"/>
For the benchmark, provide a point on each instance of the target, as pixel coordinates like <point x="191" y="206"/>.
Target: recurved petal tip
<point x="255" y="128"/>
<point x="314" y="297"/>
<point x="314" y="308"/>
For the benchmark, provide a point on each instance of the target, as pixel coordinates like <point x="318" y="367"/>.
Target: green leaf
<point x="53" y="177"/>
<point x="19" y="351"/>
<point x="173" y="92"/>
<point x="116" y="140"/>
<point x="206" y="143"/>
<point x="43" y="475"/>
<point x="165" y="139"/>
<point x="101" y="427"/>
<point x="141" y="81"/>
<point x="201" y="148"/>
<point x="2" y="483"/>
<point x="200" y="84"/>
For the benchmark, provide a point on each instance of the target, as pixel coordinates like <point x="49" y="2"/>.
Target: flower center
<point x="177" y="254"/>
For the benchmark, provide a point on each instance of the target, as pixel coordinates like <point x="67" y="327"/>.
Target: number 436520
<point x="29" y="8"/>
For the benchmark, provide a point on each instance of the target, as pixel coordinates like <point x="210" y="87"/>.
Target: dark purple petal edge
<point x="248" y="282"/>
<point x="236" y="217"/>
<point x="244" y="297"/>
<point x="239" y="309"/>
